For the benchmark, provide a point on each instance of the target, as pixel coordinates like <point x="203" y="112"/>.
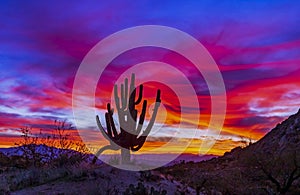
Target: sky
<point x="255" y="44"/>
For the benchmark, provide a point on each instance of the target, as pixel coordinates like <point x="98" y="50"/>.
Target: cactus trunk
<point x="125" y="156"/>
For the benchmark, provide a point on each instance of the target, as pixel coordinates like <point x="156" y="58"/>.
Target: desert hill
<point x="269" y="166"/>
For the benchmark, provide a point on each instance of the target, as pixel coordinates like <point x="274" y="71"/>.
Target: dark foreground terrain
<point x="269" y="166"/>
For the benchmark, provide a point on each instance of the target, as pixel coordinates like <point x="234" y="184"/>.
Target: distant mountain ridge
<point x="49" y="153"/>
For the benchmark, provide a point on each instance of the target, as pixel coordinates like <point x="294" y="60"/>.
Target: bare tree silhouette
<point x="129" y="138"/>
<point x="281" y="170"/>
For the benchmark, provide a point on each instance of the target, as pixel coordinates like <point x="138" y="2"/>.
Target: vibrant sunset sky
<point x="256" y="45"/>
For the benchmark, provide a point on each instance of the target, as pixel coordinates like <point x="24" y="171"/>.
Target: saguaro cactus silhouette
<point x="129" y="137"/>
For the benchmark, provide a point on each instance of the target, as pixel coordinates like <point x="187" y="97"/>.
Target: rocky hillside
<point x="285" y="135"/>
<point x="269" y="166"/>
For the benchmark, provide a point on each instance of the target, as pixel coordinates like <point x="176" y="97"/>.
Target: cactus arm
<point x="139" y="143"/>
<point x="142" y="118"/>
<point x="133" y="125"/>
<point x="122" y="133"/>
<point x="131" y="120"/>
<point x="123" y="99"/>
<point x="158" y="96"/>
<point x="108" y="124"/>
<point x="138" y="147"/>
<point x="104" y="133"/>
<point x="141" y="140"/>
<point x="132" y="94"/>
<point x="140" y="95"/>
<point x="132" y="112"/>
<point x="132" y="83"/>
<point x="112" y="140"/>
<point x="121" y="113"/>
<point x="122" y="92"/>
<point x="131" y="105"/>
<point x="111" y="121"/>
<point x="151" y="123"/>
<point x="126" y="92"/>
<point x="123" y="123"/>
<point x="113" y="127"/>
<point x="108" y="147"/>
<point x="117" y="100"/>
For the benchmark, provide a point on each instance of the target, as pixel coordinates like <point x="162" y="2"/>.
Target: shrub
<point x="141" y="189"/>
